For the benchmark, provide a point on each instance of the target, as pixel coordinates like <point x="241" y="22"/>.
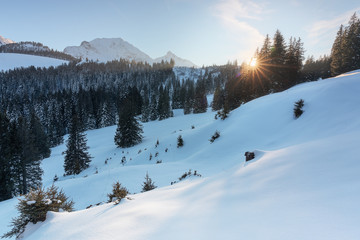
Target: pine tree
<point x="6" y="181"/>
<point x="154" y="114"/>
<point x="40" y="138"/>
<point x="219" y="98"/>
<point x="298" y="111"/>
<point x="189" y="97"/>
<point x="337" y="53"/>
<point x="180" y="141"/>
<point x="277" y="60"/>
<point x="118" y="193"/>
<point x="200" y="103"/>
<point x="293" y="62"/>
<point x="128" y="132"/>
<point x="27" y="162"/>
<point x="265" y="51"/>
<point x="351" y="44"/>
<point x="164" y="104"/>
<point x="77" y="157"/>
<point x="148" y="185"/>
<point x="34" y="206"/>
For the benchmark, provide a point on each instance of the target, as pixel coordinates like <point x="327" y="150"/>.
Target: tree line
<point x="35" y="48"/>
<point x="280" y="66"/>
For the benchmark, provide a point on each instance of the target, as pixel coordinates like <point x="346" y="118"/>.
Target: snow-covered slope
<point x="179" y="62"/>
<point x="303" y="183"/>
<point x="108" y="49"/>
<point x="4" y="41"/>
<point x="9" y="61"/>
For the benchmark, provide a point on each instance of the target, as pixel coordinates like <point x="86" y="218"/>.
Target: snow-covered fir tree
<point x="77" y="157"/>
<point x="129" y="130"/>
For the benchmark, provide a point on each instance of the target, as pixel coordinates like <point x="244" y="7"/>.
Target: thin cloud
<point x="235" y="15"/>
<point x="326" y="28"/>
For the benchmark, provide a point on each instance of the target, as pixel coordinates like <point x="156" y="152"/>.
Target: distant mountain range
<point x="99" y="49"/>
<point x="108" y="49"/>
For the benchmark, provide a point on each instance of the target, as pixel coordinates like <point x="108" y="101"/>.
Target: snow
<point x="4" y="41"/>
<point x="179" y="62"/>
<point x="9" y="61"/>
<point x="303" y="183"/>
<point x="184" y="73"/>
<point x="109" y="49"/>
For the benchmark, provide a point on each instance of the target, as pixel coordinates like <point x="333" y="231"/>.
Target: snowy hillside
<point x="9" y="61"/>
<point x="303" y="183"/>
<point x="179" y="62"/>
<point x="108" y="49"/>
<point x="4" y="41"/>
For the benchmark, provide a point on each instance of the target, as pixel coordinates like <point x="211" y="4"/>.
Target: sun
<point x="253" y="62"/>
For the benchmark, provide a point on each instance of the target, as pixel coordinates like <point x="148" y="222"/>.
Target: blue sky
<point x="204" y="31"/>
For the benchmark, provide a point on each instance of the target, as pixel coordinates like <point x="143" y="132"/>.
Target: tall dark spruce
<point x="6" y="183"/>
<point x="77" y="157"/>
<point x="129" y="130"/>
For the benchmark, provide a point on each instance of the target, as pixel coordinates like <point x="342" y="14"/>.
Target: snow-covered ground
<point x="303" y="183"/>
<point x="9" y="61"/>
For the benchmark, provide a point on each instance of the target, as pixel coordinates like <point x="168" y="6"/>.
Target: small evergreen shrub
<point x="222" y="114"/>
<point x="150" y="157"/>
<point x="118" y="193"/>
<point x="215" y="136"/>
<point x="34" y="206"/>
<point x="298" y="108"/>
<point x="180" y="141"/>
<point x="148" y="184"/>
<point x="187" y="174"/>
<point x="123" y="160"/>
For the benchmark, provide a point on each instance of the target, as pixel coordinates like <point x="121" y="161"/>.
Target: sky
<point x="206" y="32"/>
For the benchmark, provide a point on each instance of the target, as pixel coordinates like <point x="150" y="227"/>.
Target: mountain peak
<point x="179" y="62"/>
<point x="108" y="49"/>
<point x="4" y="41"/>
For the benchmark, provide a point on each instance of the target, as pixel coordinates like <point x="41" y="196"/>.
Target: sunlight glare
<point x="253" y="62"/>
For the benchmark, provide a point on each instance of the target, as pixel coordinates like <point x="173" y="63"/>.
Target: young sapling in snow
<point x="298" y="111"/>
<point x="118" y="193"/>
<point x="123" y="160"/>
<point x="180" y="141"/>
<point x="215" y="136"/>
<point x="148" y="184"/>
